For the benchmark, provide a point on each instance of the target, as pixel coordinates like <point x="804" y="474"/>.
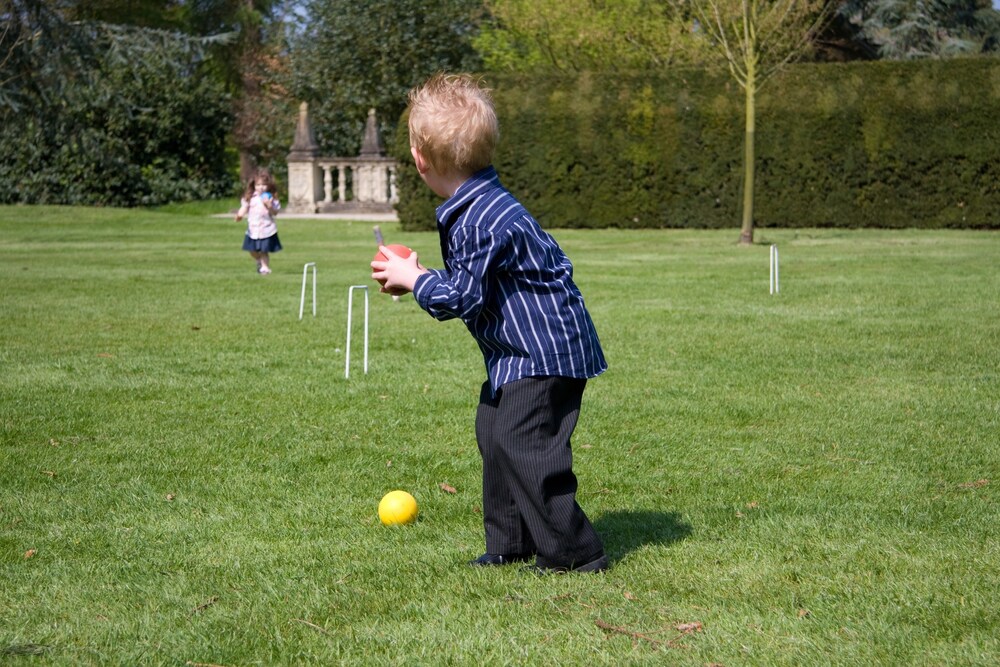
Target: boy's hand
<point x="398" y="275"/>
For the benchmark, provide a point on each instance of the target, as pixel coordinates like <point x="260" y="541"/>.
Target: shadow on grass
<point x="625" y="531"/>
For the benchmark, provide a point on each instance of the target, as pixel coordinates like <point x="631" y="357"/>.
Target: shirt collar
<point x="480" y="182"/>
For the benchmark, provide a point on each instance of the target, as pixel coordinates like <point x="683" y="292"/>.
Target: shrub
<point x="136" y="124"/>
<point x="883" y="144"/>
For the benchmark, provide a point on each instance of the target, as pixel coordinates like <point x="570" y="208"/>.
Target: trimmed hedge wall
<point x="874" y="144"/>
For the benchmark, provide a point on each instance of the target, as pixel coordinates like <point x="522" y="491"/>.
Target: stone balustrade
<point x="366" y="183"/>
<point x="362" y="180"/>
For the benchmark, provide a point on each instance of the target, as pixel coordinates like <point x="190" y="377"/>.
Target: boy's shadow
<point x="624" y="531"/>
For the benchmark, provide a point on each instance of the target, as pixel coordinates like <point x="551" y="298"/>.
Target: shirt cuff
<point x="424" y="287"/>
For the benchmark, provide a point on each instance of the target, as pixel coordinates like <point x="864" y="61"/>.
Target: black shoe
<point x="599" y="564"/>
<point x="490" y="560"/>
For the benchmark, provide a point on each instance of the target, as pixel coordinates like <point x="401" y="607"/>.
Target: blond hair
<point x="453" y="123"/>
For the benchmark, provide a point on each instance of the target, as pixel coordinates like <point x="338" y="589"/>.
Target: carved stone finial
<point x="304" y="145"/>
<point x="372" y="145"/>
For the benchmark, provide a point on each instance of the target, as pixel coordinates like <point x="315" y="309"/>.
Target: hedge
<point x="872" y="144"/>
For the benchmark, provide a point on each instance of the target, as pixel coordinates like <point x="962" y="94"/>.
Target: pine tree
<point x="909" y="29"/>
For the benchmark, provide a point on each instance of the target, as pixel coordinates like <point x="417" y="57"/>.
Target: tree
<point x="254" y="68"/>
<point x="97" y="113"/>
<point x="574" y="35"/>
<point x="158" y="14"/>
<point x="909" y="29"/>
<point x="755" y="39"/>
<point x="353" y="56"/>
<point x="39" y="53"/>
<point x="252" y="65"/>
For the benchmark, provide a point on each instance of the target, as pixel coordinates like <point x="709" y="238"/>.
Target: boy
<point x="512" y="286"/>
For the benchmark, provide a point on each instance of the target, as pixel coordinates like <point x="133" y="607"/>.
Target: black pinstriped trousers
<point x="529" y="489"/>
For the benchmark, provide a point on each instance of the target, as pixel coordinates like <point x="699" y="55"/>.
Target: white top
<point x="260" y="221"/>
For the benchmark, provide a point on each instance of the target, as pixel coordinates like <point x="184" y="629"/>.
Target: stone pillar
<point x="342" y="183"/>
<point x="363" y="182"/>
<point x="327" y="184"/>
<point x="380" y="184"/>
<point x="370" y="186"/>
<point x="305" y="176"/>
<point x="371" y="144"/>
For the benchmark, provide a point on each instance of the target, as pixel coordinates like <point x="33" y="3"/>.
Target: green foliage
<point x="113" y="116"/>
<point x="254" y="70"/>
<point x="858" y="164"/>
<point x="39" y="55"/>
<point x="161" y="14"/>
<point x="909" y="29"/>
<point x="353" y="56"/>
<point x="575" y="35"/>
<point x="835" y="148"/>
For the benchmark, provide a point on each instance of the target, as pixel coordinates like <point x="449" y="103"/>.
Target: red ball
<point x="398" y="249"/>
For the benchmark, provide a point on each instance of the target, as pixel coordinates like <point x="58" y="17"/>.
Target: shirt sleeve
<point x="461" y="290"/>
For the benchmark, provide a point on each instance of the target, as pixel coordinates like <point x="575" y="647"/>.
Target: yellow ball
<point x="397" y="508"/>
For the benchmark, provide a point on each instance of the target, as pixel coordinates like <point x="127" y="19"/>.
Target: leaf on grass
<point x="607" y="627"/>
<point x="170" y="496"/>
<point x="804" y="613"/>
<point x="105" y="355"/>
<point x="447" y="488"/>
<point x="974" y="485"/>
<point x="206" y="604"/>
<point x="53" y="442"/>
<point x="388" y="464"/>
<point x="628" y="595"/>
<point x="693" y="626"/>
<point x="29" y="553"/>
<point x="753" y="505"/>
<point x="24" y="649"/>
<point x="313" y="626"/>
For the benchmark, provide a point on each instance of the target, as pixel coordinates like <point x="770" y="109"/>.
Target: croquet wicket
<point x="302" y="301"/>
<point x="350" y="305"/>
<point x="775" y="288"/>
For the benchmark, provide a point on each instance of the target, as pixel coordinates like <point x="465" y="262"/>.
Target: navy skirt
<point x="270" y="244"/>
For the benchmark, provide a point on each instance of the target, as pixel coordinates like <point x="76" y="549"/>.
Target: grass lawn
<point x="186" y="477"/>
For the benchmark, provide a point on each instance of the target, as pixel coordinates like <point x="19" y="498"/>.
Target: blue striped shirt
<point x="512" y="285"/>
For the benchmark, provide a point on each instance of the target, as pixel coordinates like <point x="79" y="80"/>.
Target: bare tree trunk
<point x="250" y="89"/>
<point x="746" y="230"/>
<point x="247" y="166"/>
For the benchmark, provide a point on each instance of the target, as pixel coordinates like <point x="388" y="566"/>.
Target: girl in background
<point x="259" y="205"/>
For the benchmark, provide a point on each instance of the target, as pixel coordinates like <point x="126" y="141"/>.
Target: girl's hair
<point x="453" y="123"/>
<point x="262" y="176"/>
